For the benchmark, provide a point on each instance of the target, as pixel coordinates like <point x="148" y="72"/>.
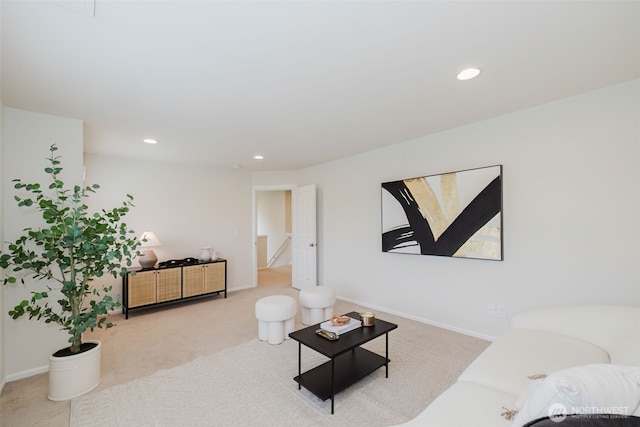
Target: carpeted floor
<point x="275" y="277"/>
<point x="247" y="385"/>
<point x="252" y="385"/>
<point x="171" y="336"/>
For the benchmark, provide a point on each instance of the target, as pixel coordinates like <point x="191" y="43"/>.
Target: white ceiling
<point x="300" y="82"/>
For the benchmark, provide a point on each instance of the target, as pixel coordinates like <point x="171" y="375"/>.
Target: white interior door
<point x="303" y="236"/>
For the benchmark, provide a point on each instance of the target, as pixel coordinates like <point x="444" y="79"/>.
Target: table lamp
<point x="148" y="258"/>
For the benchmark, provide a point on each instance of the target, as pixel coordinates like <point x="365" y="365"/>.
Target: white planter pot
<point x="73" y="376"/>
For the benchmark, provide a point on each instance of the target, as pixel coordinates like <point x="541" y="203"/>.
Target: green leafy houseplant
<point x="72" y="248"/>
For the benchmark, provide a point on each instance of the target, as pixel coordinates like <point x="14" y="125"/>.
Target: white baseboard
<point x="241" y="288"/>
<point x="27" y="373"/>
<point x="421" y="320"/>
<point x="3" y="381"/>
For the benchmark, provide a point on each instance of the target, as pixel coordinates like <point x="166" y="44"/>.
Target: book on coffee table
<point x="349" y="326"/>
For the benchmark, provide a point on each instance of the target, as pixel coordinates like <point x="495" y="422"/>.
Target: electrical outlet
<point x="491" y="309"/>
<point x="502" y="310"/>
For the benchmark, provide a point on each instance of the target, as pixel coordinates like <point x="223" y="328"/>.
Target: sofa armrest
<point x="614" y="328"/>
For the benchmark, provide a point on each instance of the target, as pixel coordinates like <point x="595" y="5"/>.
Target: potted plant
<point x="68" y="251"/>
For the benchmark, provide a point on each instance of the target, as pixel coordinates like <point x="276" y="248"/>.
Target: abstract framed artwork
<point x="456" y="214"/>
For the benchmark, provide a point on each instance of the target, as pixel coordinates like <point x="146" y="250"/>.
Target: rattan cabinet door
<point x="192" y="280"/>
<point x="142" y="289"/>
<point x="214" y="277"/>
<point x="168" y="284"/>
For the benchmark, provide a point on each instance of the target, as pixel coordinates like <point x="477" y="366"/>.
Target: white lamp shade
<point x="149" y="240"/>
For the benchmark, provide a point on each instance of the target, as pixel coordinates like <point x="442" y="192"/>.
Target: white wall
<point x="187" y="206"/>
<point x="27" y="137"/>
<point x="271" y="222"/>
<point x="571" y="215"/>
<point x="2" y="192"/>
<point x="2" y="370"/>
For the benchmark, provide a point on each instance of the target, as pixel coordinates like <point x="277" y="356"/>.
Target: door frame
<point x="254" y="221"/>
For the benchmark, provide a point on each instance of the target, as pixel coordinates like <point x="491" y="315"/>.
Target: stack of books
<point x="349" y="326"/>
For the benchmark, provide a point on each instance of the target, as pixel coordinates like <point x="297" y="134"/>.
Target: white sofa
<point x="540" y="341"/>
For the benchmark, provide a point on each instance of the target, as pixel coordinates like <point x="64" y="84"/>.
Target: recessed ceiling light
<point x="469" y="73"/>
<point x="150" y="141"/>
<point x="258" y="157"/>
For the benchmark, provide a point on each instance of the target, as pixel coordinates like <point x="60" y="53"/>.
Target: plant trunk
<point x="75" y="312"/>
<point x="75" y="344"/>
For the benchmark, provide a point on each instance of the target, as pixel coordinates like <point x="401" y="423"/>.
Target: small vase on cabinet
<point x="205" y="254"/>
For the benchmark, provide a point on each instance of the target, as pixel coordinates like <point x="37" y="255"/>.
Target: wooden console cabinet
<point x="148" y="287"/>
<point x="203" y="279"/>
<point x="151" y="287"/>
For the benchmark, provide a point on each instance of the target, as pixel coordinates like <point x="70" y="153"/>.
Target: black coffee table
<point x="349" y="362"/>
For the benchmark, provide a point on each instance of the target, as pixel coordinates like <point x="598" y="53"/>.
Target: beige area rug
<point x="252" y="385"/>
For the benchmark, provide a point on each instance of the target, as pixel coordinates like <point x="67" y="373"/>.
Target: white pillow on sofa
<point x="587" y="389"/>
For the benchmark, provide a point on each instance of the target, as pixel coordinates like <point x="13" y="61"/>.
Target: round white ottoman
<point x="316" y="304"/>
<point x="276" y="318"/>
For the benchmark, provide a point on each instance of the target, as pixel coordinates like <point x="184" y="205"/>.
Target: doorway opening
<point x="273" y="245"/>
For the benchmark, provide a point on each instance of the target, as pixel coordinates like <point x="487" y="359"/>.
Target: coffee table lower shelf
<point x="349" y="368"/>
